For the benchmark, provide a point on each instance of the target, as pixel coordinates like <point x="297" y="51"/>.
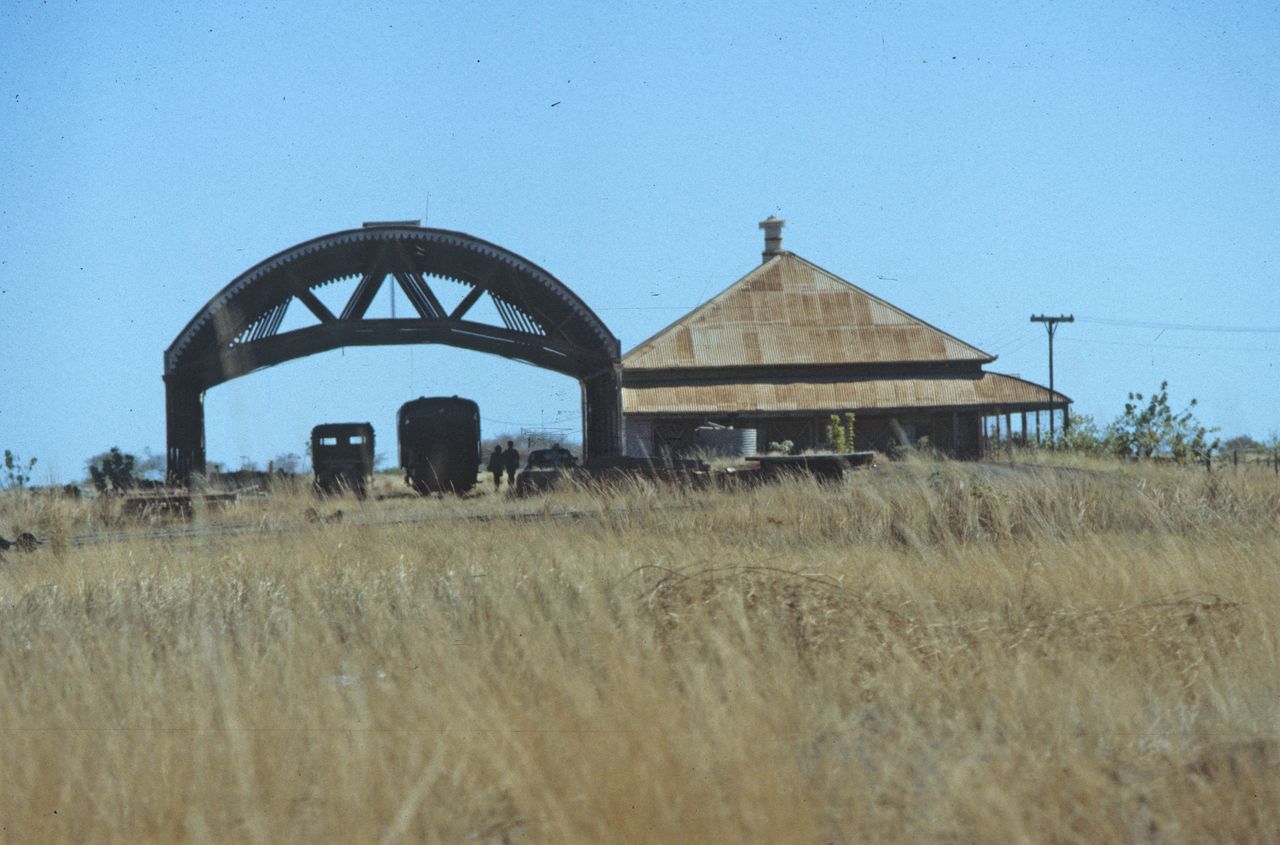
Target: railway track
<point x="191" y="531"/>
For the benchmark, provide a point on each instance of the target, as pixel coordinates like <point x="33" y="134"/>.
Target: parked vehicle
<point x="544" y="468"/>
<point x="555" y="457"/>
<point x="342" y="456"/>
<point x="439" y="443"/>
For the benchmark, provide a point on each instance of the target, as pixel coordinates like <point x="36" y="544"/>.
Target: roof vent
<point x="772" y="236"/>
<point x="390" y="224"/>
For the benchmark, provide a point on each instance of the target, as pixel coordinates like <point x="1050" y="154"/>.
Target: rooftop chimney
<point x="772" y="236"/>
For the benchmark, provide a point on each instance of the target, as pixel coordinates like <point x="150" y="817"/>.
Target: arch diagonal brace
<point x="415" y="297"/>
<point x="467" y="301"/>
<point x="313" y="303"/>
<point x="362" y="298"/>
<point x="420" y="295"/>
<point x="427" y="293"/>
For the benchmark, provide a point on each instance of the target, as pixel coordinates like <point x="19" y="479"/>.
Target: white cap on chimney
<point x="772" y="236"/>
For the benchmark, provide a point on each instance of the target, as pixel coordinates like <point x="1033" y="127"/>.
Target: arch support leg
<point x="184" y="421"/>
<point x="602" y="414"/>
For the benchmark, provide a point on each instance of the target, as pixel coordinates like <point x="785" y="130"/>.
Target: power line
<point x="1017" y="346"/>
<point x="564" y="424"/>
<point x="999" y="339"/>
<point x="1179" y="327"/>
<point x="1190" y="346"/>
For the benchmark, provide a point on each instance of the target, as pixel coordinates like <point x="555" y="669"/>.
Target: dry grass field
<point x="931" y="652"/>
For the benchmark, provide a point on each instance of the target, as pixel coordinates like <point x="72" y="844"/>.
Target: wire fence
<point x="1249" y="459"/>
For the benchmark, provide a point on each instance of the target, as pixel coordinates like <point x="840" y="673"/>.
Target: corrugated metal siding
<point x="790" y="312"/>
<point x="863" y="394"/>
<point x="764" y="343"/>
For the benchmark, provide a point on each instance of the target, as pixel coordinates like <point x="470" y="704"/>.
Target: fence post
<point x="1208" y="463"/>
<point x="1235" y="457"/>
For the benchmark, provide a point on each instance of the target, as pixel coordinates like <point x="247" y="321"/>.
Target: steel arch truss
<point x="238" y="331"/>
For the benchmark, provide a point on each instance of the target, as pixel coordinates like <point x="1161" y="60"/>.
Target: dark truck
<point x="440" y="443"/>
<point x="544" y="468"/>
<point x="342" y="456"/>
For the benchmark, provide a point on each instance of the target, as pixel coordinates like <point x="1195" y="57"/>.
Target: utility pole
<point x="1051" y="324"/>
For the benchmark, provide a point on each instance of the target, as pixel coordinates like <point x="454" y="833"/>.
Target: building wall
<point x="638" y="437"/>
<point x="655" y="435"/>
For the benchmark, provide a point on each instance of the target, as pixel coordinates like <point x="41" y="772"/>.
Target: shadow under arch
<point x="544" y="323"/>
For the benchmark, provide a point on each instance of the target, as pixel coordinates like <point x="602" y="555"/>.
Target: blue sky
<point x="973" y="163"/>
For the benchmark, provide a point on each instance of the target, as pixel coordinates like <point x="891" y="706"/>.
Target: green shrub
<point x="112" y="470"/>
<point x="17" y="472"/>
<point x="840" y="432"/>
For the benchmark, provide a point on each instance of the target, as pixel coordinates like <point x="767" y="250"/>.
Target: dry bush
<point x="932" y="652"/>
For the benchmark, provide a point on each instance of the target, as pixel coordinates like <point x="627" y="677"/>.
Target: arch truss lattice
<point x="539" y="321"/>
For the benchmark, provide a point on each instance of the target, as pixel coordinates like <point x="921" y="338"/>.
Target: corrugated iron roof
<point x="990" y="389"/>
<point x="788" y="311"/>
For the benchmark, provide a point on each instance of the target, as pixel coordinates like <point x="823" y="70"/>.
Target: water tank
<point x="724" y="441"/>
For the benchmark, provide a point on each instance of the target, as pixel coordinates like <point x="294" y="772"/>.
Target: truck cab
<point x="342" y="457"/>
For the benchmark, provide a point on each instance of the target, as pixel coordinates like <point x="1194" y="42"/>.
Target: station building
<point x="789" y="344"/>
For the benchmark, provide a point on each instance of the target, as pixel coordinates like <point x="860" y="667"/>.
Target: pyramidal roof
<point x="789" y="311"/>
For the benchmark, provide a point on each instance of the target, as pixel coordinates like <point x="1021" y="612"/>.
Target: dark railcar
<point x="439" y="443"/>
<point x="342" y="456"/>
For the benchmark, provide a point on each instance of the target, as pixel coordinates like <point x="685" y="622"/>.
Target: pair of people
<point x="500" y="461"/>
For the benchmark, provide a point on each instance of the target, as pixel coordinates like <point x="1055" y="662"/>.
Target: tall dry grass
<point x="934" y="652"/>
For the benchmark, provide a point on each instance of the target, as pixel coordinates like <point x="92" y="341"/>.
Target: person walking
<point x="496" y="465"/>
<point x="511" y="458"/>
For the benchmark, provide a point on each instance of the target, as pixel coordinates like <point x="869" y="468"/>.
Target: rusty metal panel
<point x="815" y="318"/>
<point x="766" y="277"/>
<point x="751" y="344"/>
<point x="684" y="346"/>
<point x="796" y="277"/>
<point x="799" y="310"/>
<point x="713" y="343"/>
<point x="884" y="314"/>
<point x="838" y="309"/>
<point x="991" y="391"/>
<point x="768" y="308"/>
